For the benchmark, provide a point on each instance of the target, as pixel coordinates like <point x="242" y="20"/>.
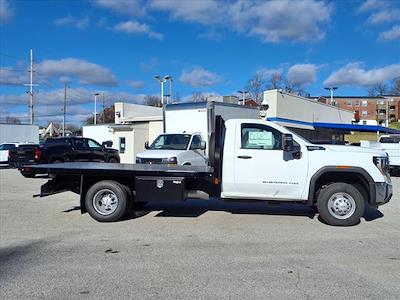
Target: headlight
<point x="138" y="160"/>
<point x="382" y="163"/>
<point x="170" y="160"/>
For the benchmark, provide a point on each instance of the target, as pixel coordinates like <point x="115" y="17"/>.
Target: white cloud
<point x="203" y="11"/>
<point x="6" y="11"/>
<point x="86" y="72"/>
<point x="211" y="35"/>
<point x="73" y="22"/>
<point x="199" y="77"/>
<point x="267" y="73"/>
<point x="384" y="16"/>
<point x="133" y="27"/>
<point x="372" y="4"/>
<point x="12" y="76"/>
<point x="391" y="34"/>
<point x="274" y="21"/>
<point x="302" y="74"/>
<point x="134" y="8"/>
<point x="136" y="84"/>
<point x="48" y="104"/>
<point x="150" y="65"/>
<point x="353" y="74"/>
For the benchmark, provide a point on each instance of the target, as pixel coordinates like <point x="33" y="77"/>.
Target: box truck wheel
<point x="340" y="204"/>
<point x="107" y="201"/>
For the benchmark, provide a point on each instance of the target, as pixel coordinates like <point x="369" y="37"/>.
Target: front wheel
<point x="107" y="201"/>
<point x="340" y="204"/>
<point x="113" y="160"/>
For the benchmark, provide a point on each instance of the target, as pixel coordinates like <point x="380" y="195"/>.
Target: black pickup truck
<point x="57" y="150"/>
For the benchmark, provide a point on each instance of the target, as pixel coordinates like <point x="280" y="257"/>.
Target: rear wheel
<point x="113" y="160"/>
<point x="340" y="204"/>
<point x="107" y="201"/>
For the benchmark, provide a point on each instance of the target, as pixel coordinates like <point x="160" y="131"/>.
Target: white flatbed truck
<point x="252" y="159"/>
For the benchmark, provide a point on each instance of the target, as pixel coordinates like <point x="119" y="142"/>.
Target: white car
<point x="4" y="150"/>
<point x="175" y="148"/>
<point x="389" y="144"/>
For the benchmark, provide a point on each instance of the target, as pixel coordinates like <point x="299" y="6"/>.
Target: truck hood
<point x="341" y="148"/>
<point x="160" y="153"/>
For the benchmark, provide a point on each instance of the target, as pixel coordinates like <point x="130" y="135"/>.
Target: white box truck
<point x="188" y="128"/>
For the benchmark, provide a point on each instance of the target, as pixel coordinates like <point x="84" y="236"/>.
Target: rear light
<point x="38" y="152"/>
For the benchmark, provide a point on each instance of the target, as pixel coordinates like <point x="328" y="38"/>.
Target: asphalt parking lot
<point x="199" y="249"/>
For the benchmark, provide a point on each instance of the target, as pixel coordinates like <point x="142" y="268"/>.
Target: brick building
<point x="371" y="110"/>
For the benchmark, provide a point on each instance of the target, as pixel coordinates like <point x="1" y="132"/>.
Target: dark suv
<point x="57" y="150"/>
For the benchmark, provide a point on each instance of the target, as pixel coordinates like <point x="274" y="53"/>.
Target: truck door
<point x="262" y="169"/>
<point x="81" y="150"/>
<point x="96" y="151"/>
<point x="198" y="156"/>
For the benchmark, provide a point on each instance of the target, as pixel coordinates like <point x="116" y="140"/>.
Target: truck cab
<point x="175" y="148"/>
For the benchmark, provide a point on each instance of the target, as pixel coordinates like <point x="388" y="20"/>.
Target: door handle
<point x="244" y="157"/>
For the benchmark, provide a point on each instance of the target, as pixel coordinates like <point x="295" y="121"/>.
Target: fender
<point x="335" y="169"/>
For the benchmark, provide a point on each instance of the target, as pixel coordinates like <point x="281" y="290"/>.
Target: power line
<point x="12" y="56"/>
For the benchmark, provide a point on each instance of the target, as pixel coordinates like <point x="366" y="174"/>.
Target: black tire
<point x="350" y="194"/>
<point x="113" y="160"/>
<point x="56" y="161"/>
<point x="121" y="194"/>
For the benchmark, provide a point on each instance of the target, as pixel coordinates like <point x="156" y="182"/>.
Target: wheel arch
<point x="353" y="175"/>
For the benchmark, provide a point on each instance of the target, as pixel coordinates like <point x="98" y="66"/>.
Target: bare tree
<point x="12" y="120"/>
<point x="107" y="116"/>
<point x="198" y="97"/>
<point x="378" y="89"/>
<point x="153" y="101"/>
<point x="396" y="86"/>
<point x="256" y="86"/>
<point x="276" y="81"/>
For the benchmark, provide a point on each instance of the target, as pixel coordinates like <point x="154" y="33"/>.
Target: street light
<point x="243" y="96"/>
<point x="331" y="89"/>
<point x="95" y="108"/>
<point x="162" y="80"/>
<point x="170" y="79"/>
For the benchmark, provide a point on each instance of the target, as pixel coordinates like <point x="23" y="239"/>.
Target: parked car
<point x="4" y="152"/>
<point x="58" y="150"/>
<point x="389" y="144"/>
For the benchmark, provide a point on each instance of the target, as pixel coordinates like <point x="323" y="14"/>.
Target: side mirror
<point x="146" y="145"/>
<point x="107" y="144"/>
<point x="203" y="145"/>
<point x="287" y="142"/>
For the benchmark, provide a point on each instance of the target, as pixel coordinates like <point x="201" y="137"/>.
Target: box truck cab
<point x="187" y="132"/>
<point x="175" y="148"/>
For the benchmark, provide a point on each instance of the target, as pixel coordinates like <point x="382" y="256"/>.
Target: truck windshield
<point x="171" y="142"/>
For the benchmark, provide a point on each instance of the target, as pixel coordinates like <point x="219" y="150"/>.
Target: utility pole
<point x="65" y="107"/>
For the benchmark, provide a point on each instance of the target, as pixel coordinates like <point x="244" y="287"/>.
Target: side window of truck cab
<point x="258" y="136"/>
<point x="196" y="143"/>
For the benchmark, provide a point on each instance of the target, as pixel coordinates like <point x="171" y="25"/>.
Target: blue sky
<point x="207" y="46"/>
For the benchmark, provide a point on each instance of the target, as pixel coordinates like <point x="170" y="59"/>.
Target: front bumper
<point x="383" y="192"/>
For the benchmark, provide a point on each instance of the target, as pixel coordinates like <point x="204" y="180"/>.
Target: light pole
<point x="243" y="96"/>
<point x="162" y="80"/>
<point x="95" y="108"/>
<point x="331" y="89"/>
<point x="170" y="79"/>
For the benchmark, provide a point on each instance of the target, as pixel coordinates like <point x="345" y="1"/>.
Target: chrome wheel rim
<point x="105" y="202"/>
<point x="341" y="206"/>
